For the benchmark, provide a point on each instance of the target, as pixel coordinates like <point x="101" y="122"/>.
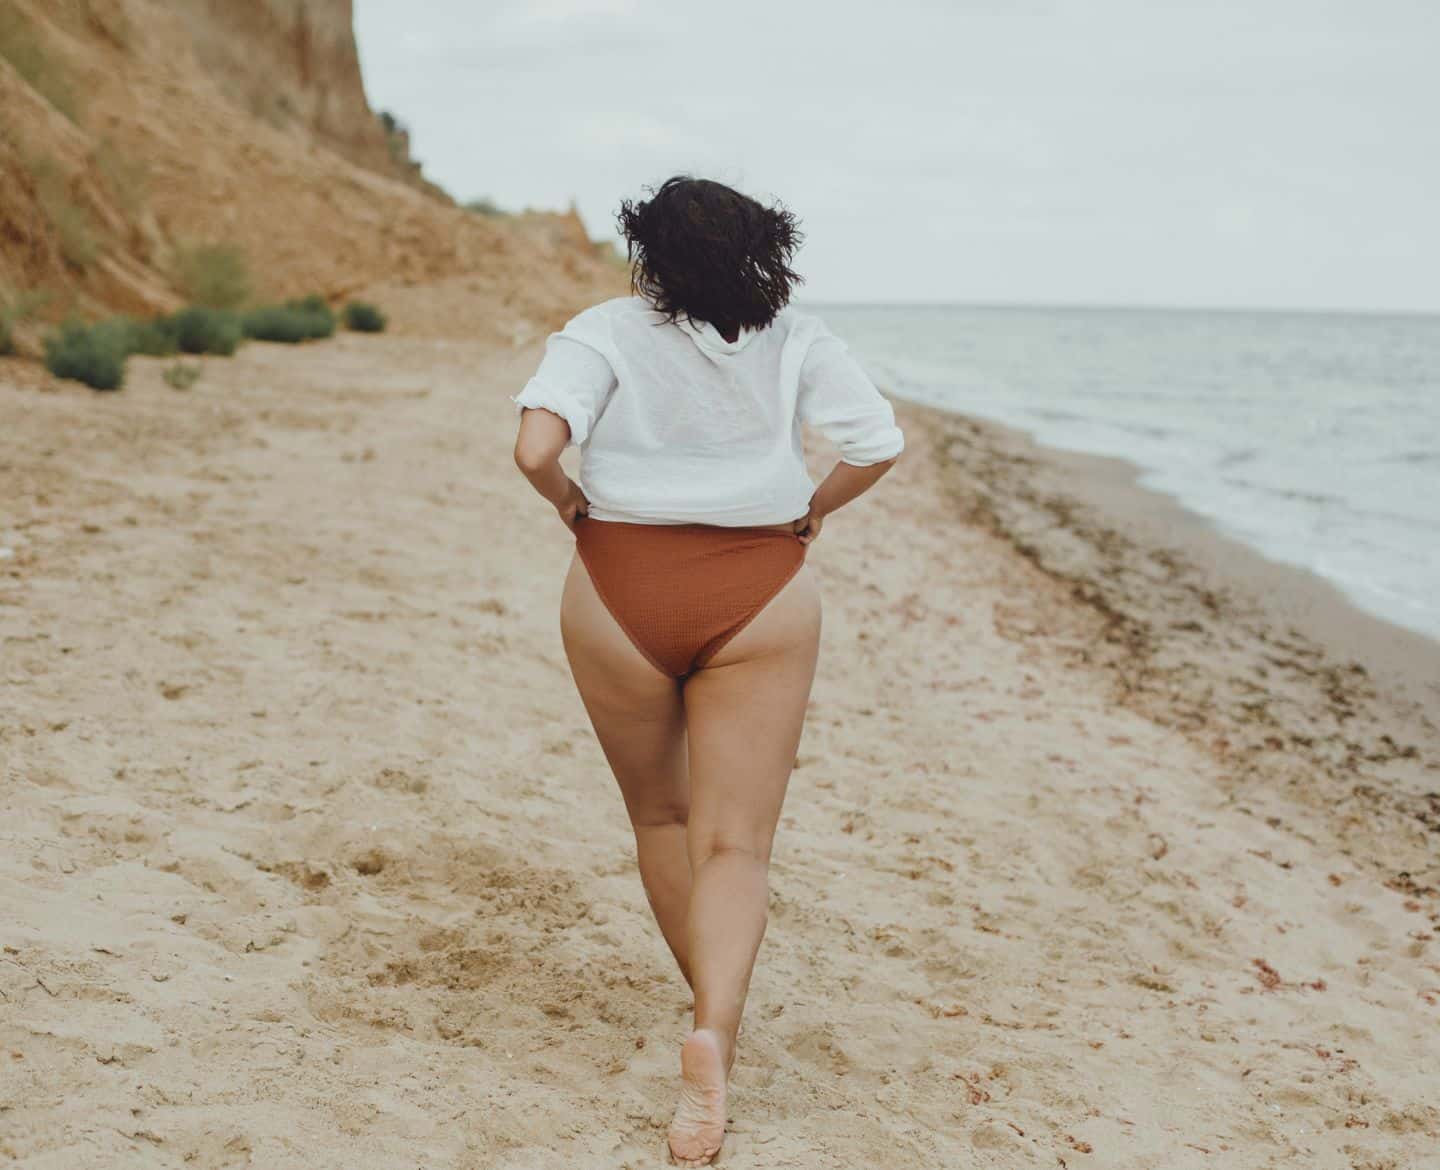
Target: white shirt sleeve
<point x="838" y="398"/>
<point x="574" y="379"/>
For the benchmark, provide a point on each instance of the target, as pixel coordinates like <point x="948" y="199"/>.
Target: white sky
<point x="1259" y="153"/>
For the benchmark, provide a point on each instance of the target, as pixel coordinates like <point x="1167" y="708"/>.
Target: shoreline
<point x="1269" y="665"/>
<point x="1407" y="659"/>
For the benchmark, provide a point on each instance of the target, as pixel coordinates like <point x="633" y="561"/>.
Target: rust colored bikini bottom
<point x="681" y="591"/>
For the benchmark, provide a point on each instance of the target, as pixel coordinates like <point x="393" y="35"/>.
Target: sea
<point x="1312" y="437"/>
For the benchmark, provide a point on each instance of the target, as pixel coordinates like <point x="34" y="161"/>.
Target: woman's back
<point x="678" y="425"/>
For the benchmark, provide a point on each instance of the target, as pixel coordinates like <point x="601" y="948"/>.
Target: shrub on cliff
<point x="14" y="309"/>
<point x="201" y="330"/>
<point x="363" y="317"/>
<point x="71" y="221"/>
<point x="93" y="354"/>
<point x="22" y="46"/>
<point x="292" y="322"/>
<point x="127" y="177"/>
<point x="214" y="276"/>
<point x="485" y="206"/>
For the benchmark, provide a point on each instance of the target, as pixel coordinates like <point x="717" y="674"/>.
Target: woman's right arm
<point x="557" y="408"/>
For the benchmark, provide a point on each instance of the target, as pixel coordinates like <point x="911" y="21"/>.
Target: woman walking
<point x="689" y="618"/>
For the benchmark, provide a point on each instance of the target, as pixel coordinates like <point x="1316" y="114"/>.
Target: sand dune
<point x="312" y="858"/>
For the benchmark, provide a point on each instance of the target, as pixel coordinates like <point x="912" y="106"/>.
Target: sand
<point x="312" y="859"/>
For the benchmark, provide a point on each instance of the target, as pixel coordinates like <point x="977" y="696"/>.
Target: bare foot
<point x="699" y="1125"/>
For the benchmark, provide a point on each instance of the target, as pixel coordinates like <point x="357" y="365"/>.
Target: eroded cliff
<point x="132" y="130"/>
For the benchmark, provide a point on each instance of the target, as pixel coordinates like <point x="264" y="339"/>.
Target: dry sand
<point x="312" y="860"/>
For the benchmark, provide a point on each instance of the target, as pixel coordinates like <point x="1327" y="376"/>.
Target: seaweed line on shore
<point x="1286" y="719"/>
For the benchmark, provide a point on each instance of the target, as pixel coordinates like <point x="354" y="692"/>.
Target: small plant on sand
<point x="214" y="276"/>
<point x="93" y="354"/>
<point x="303" y="319"/>
<point x="182" y="375"/>
<point x="22" y="46"/>
<point x="203" y="330"/>
<point x="363" y="317"/>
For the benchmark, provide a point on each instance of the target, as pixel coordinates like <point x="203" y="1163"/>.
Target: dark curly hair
<point x="703" y="249"/>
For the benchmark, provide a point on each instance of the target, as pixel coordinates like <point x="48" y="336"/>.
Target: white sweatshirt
<point x="677" y="425"/>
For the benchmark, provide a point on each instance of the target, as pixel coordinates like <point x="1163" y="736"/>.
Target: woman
<point x="689" y="618"/>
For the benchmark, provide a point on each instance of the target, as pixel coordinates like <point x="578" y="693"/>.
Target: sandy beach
<point x="1108" y="845"/>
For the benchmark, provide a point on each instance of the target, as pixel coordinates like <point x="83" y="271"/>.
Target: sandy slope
<point x="312" y="860"/>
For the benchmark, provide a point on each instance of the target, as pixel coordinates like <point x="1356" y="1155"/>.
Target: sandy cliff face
<point x="294" y="63"/>
<point x="132" y="129"/>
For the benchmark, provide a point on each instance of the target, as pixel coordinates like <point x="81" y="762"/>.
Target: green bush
<point x="203" y="330"/>
<point x="156" y="337"/>
<point x="214" y="276"/>
<point x="93" y="354"/>
<point x="117" y="333"/>
<point x="275" y="323"/>
<point x="363" y="317"/>
<point x="318" y="315"/>
<point x="294" y="321"/>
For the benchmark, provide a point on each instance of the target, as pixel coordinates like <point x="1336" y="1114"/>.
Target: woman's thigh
<point x="745" y="712"/>
<point x="636" y="710"/>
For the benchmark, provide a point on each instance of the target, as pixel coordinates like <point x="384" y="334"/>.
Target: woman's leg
<point x="639" y="718"/>
<point x="745" y="711"/>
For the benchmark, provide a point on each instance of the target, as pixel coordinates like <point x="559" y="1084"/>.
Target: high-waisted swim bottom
<point x="681" y="591"/>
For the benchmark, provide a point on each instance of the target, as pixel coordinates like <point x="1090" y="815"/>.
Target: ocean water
<point x="1314" y="438"/>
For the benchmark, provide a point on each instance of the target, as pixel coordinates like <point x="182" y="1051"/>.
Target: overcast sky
<point x="1230" y="153"/>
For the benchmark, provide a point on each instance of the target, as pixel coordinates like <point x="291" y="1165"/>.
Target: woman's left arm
<point x="543" y="435"/>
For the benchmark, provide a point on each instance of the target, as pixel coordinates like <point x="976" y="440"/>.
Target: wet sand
<point x="312" y="858"/>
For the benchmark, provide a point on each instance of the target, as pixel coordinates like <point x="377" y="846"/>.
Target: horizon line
<point x="1116" y="306"/>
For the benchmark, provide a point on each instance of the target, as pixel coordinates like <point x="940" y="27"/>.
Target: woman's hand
<point x="843" y="484"/>
<point x="807" y="528"/>
<point x="573" y="505"/>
